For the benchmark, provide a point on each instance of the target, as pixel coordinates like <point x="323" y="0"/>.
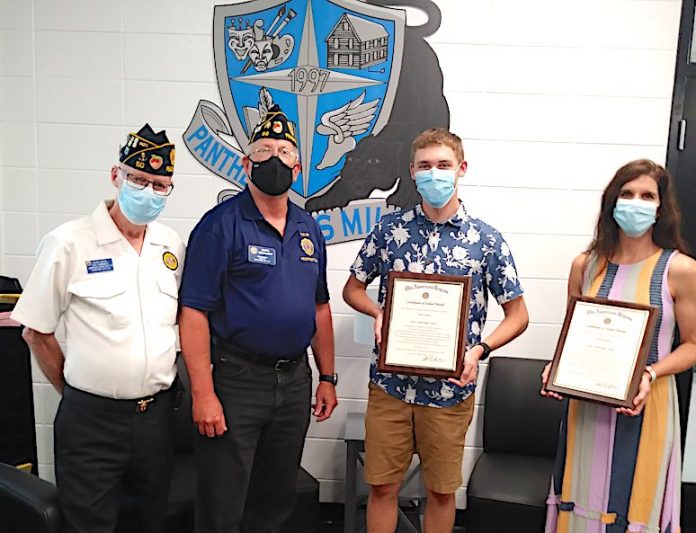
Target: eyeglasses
<point x="140" y="182"/>
<point x="264" y="153"/>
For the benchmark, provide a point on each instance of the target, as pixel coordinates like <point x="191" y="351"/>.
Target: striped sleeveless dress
<point x="616" y="473"/>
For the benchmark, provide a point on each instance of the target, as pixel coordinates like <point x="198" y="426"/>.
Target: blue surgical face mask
<point x="436" y="185"/>
<point x="140" y="206"/>
<point x="635" y="217"/>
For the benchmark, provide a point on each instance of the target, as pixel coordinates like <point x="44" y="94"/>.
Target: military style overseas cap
<point x="275" y="125"/>
<point x="149" y="151"/>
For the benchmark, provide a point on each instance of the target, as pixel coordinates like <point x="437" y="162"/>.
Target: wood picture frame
<point x="425" y="335"/>
<point x="602" y="350"/>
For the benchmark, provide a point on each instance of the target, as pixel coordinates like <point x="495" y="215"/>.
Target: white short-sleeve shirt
<point x="119" y="307"/>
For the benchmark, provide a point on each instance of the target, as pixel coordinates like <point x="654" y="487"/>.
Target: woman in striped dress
<point x="619" y="470"/>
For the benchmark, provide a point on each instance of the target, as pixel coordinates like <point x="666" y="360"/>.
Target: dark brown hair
<point x="435" y="136"/>
<point x="667" y="228"/>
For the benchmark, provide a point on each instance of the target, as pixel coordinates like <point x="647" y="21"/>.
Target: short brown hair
<point x="435" y="136"/>
<point x="667" y="228"/>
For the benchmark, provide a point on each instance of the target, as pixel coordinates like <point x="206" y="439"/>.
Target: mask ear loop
<point x="459" y="168"/>
<point x="119" y="177"/>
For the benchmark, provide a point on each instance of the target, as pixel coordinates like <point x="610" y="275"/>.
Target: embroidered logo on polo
<point x="262" y="255"/>
<point x="308" y="248"/>
<point x="333" y="66"/>
<point x="170" y="260"/>
<point x="94" y="266"/>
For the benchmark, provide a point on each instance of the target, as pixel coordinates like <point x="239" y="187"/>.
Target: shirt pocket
<point x="169" y="299"/>
<point x="102" y="300"/>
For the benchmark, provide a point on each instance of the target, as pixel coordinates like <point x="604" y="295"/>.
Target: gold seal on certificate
<point x="602" y="350"/>
<point x="425" y="324"/>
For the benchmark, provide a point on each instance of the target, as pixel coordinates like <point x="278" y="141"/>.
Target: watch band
<point x="331" y="378"/>
<point x="486" y="350"/>
<point x="651" y="372"/>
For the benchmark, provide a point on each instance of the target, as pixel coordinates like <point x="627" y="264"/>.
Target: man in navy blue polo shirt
<point x="254" y="296"/>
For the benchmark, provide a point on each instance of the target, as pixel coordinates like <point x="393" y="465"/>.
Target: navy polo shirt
<point x="259" y="289"/>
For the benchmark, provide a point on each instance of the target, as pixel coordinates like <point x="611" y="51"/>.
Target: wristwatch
<point x="486" y="350"/>
<point x="331" y="378"/>
<point x="651" y="372"/>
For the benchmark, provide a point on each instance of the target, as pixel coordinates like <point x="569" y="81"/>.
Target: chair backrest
<point x="27" y="503"/>
<point x="517" y="419"/>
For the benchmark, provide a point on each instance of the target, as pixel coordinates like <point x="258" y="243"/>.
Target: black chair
<point x="27" y="503"/>
<point x="18" y="435"/>
<point x="510" y="482"/>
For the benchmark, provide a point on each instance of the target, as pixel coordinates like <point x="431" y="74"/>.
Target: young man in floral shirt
<point x="408" y="414"/>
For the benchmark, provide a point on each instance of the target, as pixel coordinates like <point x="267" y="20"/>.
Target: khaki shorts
<point x="395" y="430"/>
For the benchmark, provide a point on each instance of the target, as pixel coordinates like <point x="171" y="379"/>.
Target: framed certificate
<point x="602" y="350"/>
<point x="424" y="328"/>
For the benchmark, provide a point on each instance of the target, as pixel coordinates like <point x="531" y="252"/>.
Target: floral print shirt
<point x="408" y="241"/>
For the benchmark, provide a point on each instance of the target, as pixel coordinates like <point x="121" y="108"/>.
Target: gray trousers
<point x="247" y="477"/>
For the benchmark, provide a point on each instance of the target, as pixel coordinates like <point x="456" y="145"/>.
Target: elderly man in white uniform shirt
<point x="113" y="278"/>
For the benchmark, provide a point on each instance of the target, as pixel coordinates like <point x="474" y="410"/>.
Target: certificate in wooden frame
<point x="455" y="315"/>
<point x="619" y="332"/>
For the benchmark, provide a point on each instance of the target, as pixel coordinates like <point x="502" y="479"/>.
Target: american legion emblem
<point x="333" y="66"/>
<point x="170" y="261"/>
<point x="307" y="246"/>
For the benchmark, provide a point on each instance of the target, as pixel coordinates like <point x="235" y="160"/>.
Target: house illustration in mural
<point x="355" y="42"/>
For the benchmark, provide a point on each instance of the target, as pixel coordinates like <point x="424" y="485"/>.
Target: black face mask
<point x="272" y="176"/>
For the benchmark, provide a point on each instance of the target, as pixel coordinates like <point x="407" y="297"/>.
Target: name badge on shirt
<point x="262" y="255"/>
<point x="99" y="265"/>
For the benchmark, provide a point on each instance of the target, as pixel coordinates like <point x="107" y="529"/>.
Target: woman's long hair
<point x="667" y="228"/>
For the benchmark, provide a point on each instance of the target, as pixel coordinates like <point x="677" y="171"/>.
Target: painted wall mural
<point x="356" y="80"/>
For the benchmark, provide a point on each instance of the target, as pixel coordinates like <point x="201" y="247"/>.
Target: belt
<point x="137" y="405"/>
<point x="261" y="360"/>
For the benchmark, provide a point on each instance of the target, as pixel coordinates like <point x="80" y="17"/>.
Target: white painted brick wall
<point x="550" y="96"/>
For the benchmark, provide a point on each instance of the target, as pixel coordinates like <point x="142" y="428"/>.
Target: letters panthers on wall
<point x="357" y="82"/>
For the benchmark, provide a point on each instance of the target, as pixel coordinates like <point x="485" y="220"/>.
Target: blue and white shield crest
<point x="331" y="65"/>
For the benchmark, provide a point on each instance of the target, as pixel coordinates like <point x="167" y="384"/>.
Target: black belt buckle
<point x="283" y="364"/>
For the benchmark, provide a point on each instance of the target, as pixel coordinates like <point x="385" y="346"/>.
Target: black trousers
<point x="106" y="450"/>
<point x="247" y="477"/>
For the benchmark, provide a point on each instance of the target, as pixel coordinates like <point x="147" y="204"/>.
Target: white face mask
<point x="140" y="206"/>
<point x="635" y="217"/>
<point x="436" y="185"/>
